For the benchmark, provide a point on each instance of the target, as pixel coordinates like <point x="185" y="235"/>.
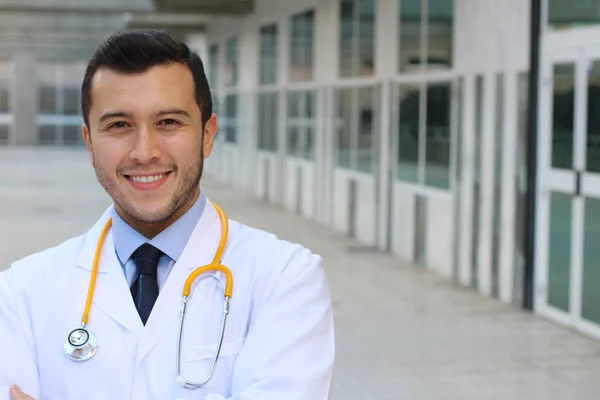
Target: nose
<point x="147" y="146"/>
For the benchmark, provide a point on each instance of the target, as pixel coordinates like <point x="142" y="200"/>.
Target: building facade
<point x="395" y="122"/>
<point x="410" y="125"/>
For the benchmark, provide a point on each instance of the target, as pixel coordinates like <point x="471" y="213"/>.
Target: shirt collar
<point x="171" y="241"/>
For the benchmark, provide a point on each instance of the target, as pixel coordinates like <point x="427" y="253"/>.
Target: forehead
<point x="161" y="85"/>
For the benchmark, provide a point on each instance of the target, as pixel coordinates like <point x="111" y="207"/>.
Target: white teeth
<point x="147" y="179"/>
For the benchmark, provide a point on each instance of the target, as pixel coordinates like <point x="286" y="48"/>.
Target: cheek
<point x="106" y="159"/>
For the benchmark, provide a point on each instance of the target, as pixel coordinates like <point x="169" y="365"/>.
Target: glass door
<point x="569" y="202"/>
<point x="589" y="192"/>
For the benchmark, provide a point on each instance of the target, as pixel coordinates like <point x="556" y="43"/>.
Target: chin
<point x="150" y="213"/>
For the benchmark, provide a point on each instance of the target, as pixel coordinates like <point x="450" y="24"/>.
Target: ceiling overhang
<point x="222" y="7"/>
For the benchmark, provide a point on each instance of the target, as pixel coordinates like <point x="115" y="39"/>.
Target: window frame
<point x="424" y="37"/>
<point x="456" y="98"/>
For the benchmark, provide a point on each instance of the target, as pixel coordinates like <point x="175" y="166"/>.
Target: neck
<point x="152" y="229"/>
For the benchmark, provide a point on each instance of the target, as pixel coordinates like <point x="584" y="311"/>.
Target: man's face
<point x="146" y="141"/>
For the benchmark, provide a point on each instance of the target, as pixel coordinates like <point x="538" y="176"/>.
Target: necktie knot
<point x="146" y="259"/>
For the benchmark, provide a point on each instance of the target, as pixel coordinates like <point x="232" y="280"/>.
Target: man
<point x="148" y="126"/>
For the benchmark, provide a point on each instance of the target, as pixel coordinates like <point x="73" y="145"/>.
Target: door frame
<point x="577" y="46"/>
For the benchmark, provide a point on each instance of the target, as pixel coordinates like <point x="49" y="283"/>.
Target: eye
<point x="118" y="125"/>
<point x="169" y="121"/>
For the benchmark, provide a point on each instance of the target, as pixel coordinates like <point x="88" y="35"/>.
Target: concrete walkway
<point x="402" y="333"/>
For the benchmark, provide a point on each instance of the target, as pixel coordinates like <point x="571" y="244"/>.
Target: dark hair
<point x="136" y="51"/>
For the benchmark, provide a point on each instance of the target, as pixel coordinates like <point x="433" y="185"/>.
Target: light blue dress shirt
<point x="171" y="241"/>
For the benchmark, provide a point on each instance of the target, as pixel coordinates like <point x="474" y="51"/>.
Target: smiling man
<point x="148" y="128"/>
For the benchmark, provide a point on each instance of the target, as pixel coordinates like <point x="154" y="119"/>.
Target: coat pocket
<point x="199" y="353"/>
<point x="197" y="363"/>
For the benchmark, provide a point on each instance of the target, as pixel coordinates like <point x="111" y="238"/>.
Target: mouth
<point x="148" y="181"/>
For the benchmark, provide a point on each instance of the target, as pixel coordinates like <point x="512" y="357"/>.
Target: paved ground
<point x="402" y="333"/>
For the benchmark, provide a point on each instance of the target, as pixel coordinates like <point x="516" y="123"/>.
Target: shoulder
<point x="44" y="264"/>
<point x="269" y="255"/>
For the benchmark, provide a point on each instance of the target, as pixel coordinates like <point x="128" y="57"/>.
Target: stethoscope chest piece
<point x="81" y="345"/>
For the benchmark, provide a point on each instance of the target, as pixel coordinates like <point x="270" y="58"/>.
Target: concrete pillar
<point x="25" y="100"/>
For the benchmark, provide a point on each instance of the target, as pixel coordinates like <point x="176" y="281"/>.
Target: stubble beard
<point x="190" y="181"/>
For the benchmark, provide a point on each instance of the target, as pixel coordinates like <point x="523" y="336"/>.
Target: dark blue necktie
<point x="145" y="285"/>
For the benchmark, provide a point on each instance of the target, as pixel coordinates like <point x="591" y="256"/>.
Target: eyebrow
<point x="174" y="111"/>
<point x="106" y="116"/>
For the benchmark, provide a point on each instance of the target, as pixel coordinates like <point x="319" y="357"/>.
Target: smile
<point x="147" y="179"/>
<point x="148" y="182"/>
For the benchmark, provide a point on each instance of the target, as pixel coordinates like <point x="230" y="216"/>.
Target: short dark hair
<point x="136" y="51"/>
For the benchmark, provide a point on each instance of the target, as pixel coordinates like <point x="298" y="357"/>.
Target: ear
<point x="85" y="133"/>
<point x="210" y="131"/>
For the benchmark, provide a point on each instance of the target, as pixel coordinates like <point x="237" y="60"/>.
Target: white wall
<point x="307" y="185"/>
<point x="402" y="229"/>
<point x="491" y="35"/>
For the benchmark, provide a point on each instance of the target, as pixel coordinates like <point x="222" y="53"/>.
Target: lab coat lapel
<point x="112" y="294"/>
<point x="199" y="251"/>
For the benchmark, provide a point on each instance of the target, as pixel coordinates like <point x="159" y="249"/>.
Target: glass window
<point x="357" y="38"/>
<point x="366" y="37"/>
<point x="593" y="118"/>
<point x="302" y="47"/>
<point x="268" y="110"/>
<point x="423" y="144"/>
<point x="566" y="14"/>
<point x="344" y="129"/>
<point x="231" y="62"/>
<point x="563" y="115"/>
<point x="410" y="35"/>
<point x="357" y="127"/>
<point x="72" y="135"/>
<point x="71" y="101"/>
<point x="4" y="134"/>
<point x="408" y="133"/>
<point x="215" y="103"/>
<point x="308" y="148"/>
<point x="231" y="115"/>
<point x="268" y="55"/>
<point x="4" y="100"/>
<point x="437" y="145"/>
<point x="366" y="129"/>
<point x="293" y="122"/>
<point x="213" y="63"/>
<point x="520" y="184"/>
<point x="440" y="30"/>
<point x="438" y="33"/>
<point x="47" y="100"/>
<point x="301" y="124"/>
<point x="47" y="135"/>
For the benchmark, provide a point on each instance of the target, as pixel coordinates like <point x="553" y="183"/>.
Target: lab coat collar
<point x="113" y="295"/>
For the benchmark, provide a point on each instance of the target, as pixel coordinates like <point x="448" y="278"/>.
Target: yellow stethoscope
<point x="81" y="344"/>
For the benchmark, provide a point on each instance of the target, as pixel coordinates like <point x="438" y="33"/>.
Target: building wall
<point x="466" y="231"/>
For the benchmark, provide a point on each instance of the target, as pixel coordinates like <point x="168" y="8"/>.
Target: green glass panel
<point x="408" y="133"/>
<point x="437" y="145"/>
<point x="593" y="118"/>
<point x="590" y="302"/>
<point x="563" y="116"/>
<point x="559" y="247"/>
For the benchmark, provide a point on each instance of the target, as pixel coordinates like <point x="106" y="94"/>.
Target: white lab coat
<point x="279" y="341"/>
